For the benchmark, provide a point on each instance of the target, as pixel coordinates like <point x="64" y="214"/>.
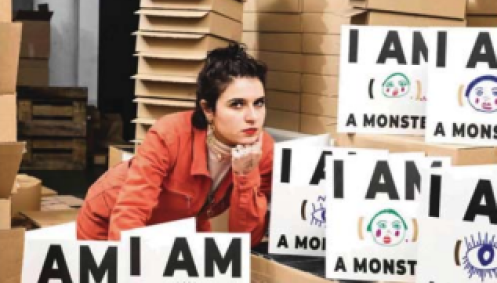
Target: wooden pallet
<point x="55" y="154"/>
<point x="52" y="112"/>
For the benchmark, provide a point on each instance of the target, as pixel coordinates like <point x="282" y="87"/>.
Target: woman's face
<point x="240" y="112"/>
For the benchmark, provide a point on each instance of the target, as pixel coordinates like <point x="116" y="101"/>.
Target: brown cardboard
<point x="10" y="46"/>
<point x="177" y="43"/>
<point x="482" y="21"/>
<point x="319" y="105"/>
<point x="8" y="118"/>
<point x="283" y="81"/>
<point x="482" y="7"/>
<point x="5" y="216"/>
<point x="282" y="120"/>
<point x="321" y="64"/>
<point x="28" y="194"/>
<point x="165" y="89"/>
<point x="33" y="72"/>
<point x="229" y="8"/>
<point x="287" y="101"/>
<point x="190" y="22"/>
<point x="153" y="108"/>
<point x="460" y="154"/>
<point x="142" y="127"/>
<point x="35" y="41"/>
<point x="269" y="271"/>
<point x="272" y="22"/>
<point x="322" y="44"/>
<point x="316" y="125"/>
<point x="324" y="6"/>
<point x="43" y="219"/>
<point x="5" y="11"/>
<point x="273" y="6"/>
<point x="119" y="153"/>
<point x="278" y="61"/>
<point x="12" y="247"/>
<point x="219" y="224"/>
<point x="320" y="85"/>
<point x="440" y="8"/>
<point x="170" y="64"/>
<point x="11" y="155"/>
<point x="47" y="192"/>
<point x="327" y="23"/>
<point x="279" y="42"/>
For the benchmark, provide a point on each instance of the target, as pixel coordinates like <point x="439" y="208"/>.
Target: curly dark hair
<point x="221" y="67"/>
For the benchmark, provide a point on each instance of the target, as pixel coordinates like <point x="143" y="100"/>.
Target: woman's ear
<point x="209" y="115"/>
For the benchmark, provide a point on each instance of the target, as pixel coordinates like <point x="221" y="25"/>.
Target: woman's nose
<point x="250" y="115"/>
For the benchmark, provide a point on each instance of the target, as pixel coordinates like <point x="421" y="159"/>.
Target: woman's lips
<point x="250" y="132"/>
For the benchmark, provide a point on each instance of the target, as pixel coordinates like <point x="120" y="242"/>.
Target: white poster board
<point x="383" y="80"/>
<point x="297" y="223"/>
<point x="458" y="242"/>
<point x="372" y="208"/>
<point x="462" y="108"/>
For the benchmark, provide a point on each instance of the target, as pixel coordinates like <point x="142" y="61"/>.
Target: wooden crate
<point x="55" y="154"/>
<point x="52" y="112"/>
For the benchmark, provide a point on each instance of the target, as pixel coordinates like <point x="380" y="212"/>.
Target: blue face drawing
<point x="482" y="94"/>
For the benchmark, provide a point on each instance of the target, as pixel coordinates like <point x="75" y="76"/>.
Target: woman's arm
<point x="141" y="190"/>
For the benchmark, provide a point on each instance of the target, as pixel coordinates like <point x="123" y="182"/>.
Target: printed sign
<point x="298" y="197"/>
<point x="372" y="206"/>
<point x="383" y="80"/>
<point x="463" y="87"/>
<point x="459" y="220"/>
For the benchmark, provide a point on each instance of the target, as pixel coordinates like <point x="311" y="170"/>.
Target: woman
<point x="196" y="163"/>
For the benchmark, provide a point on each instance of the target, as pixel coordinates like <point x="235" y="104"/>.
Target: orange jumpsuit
<point x="168" y="180"/>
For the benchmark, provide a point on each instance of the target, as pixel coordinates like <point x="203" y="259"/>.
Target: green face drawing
<point x="387" y="228"/>
<point x="396" y="85"/>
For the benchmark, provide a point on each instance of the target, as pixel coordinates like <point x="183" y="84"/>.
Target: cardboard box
<point x="329" y="23"/>
<point x="203" y="22"/>
<point x="47" y="192"/>
<point x="170" y="64"/>
<point x="177" y="43"/>
<point x="482" y="21"/>
<point x="120" y="153"/>
<point x="440" y="8"/>
<point x="271" y="22"/>
<point x="10" y="155"/>
<point x="283" y="120"/>
<point x="10" y="37"/>
<point x="319" y="105"/>
<point x="278" y="42"/>
<point x="277" y="61"/>
<point x="12" y="247"/>
<point x="322" y="64"/>
<point x="229" y="8"/>
<point x="320" y="85"/>
<point x="28" y="194"/>
<point x="287" y="101"/>
<point x="142" y="127"/>
<point x="324" y="6"/>
<point x="165" y="87"/>
<point x="274" y="6"/>
<point x="460" y="154"/>
<point x="35" y="41"/>
<point x="43" y="219"/>
<point x="316" y="125"/>
<point x="153" y="108"/>
<point x="5" y="11"/>
<point x="33" y="72"/>
<point x="8" y="118"/>
<point x="482" y="7"/>
<point x="322" y="44"/>
<point x="283" y="81"/>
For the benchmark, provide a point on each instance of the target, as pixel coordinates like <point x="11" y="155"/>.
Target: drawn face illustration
<point x="387" y="228"/>
<point x="481" y="94"/>
<point x="396" y="85"/>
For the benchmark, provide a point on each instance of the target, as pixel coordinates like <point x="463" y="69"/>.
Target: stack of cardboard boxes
<point x="172" y="43"/>
<point x="482" y="13"/>
<point x="35" y="46"/>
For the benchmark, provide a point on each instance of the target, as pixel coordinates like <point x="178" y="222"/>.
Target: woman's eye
<point x="237" y="104"/>
<point x="260" y="103"/>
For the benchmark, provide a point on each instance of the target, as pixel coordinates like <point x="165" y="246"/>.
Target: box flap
<point x="144" y="121"/>
<point x="170" y="35"/>
<point x="10" y="33"/>
<point x="348" y="13"/>
<point x="164" y="102"/>
<point x="173" y="13"/>
<point x="169" y="79"/>
<point x="10" y="160"/>
<point x="12" y="247"/>
<point x="173" y="56"/>
<point x="6" y="11"/>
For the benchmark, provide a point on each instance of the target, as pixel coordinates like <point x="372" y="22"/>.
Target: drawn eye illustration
<point x="319" y="212"/>
<point x="480" y="258"/>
